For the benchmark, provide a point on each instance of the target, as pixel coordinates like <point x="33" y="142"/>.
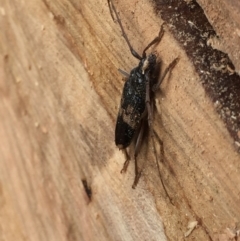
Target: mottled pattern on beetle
<point x="132" y="107"/>
<point x="133" y="99"/>
<point x="124" y="133"/>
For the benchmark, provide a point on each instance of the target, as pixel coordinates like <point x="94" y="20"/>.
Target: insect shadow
<point x="137" y="102"/>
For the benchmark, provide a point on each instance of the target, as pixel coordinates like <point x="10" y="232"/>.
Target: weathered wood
<point x="224" y="16"/>
<point x="60" y="91"/>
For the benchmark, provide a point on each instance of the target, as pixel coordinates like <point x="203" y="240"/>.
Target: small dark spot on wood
<point x="87" y="189"/>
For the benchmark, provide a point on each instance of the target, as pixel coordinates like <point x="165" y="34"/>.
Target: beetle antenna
<point x="113" y="9"/>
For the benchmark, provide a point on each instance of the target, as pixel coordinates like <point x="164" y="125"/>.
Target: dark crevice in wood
<point x="189" y="25"/>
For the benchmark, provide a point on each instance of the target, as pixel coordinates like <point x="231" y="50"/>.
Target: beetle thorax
<point x="148" y="62"/>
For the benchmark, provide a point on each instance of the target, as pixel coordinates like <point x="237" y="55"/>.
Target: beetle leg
<point x="140" y="134"/>
<point x="137" y="147"/>
<point x="149" y="105"/>
<point x="136" y="151"/>
<point x="126" y="163"/>
<point x="124" y="73"/>
<point x="168" y="69"/>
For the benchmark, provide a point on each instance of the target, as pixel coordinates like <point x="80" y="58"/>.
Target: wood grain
<point x="60" y="91"/>
<point x="225" y="18"/>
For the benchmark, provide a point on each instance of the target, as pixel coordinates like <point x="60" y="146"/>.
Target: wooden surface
<point x="224" y="15"/>
<point x="60" y="90"/>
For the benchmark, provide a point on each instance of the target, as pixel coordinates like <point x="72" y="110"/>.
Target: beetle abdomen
<point x="131" y="109"/>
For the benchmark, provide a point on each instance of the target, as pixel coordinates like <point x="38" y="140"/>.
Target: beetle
<point x="136" y="108"/>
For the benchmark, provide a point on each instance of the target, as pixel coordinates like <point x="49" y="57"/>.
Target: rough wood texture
<point x="60" y="91"/>
<point x="224" y="16"/>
